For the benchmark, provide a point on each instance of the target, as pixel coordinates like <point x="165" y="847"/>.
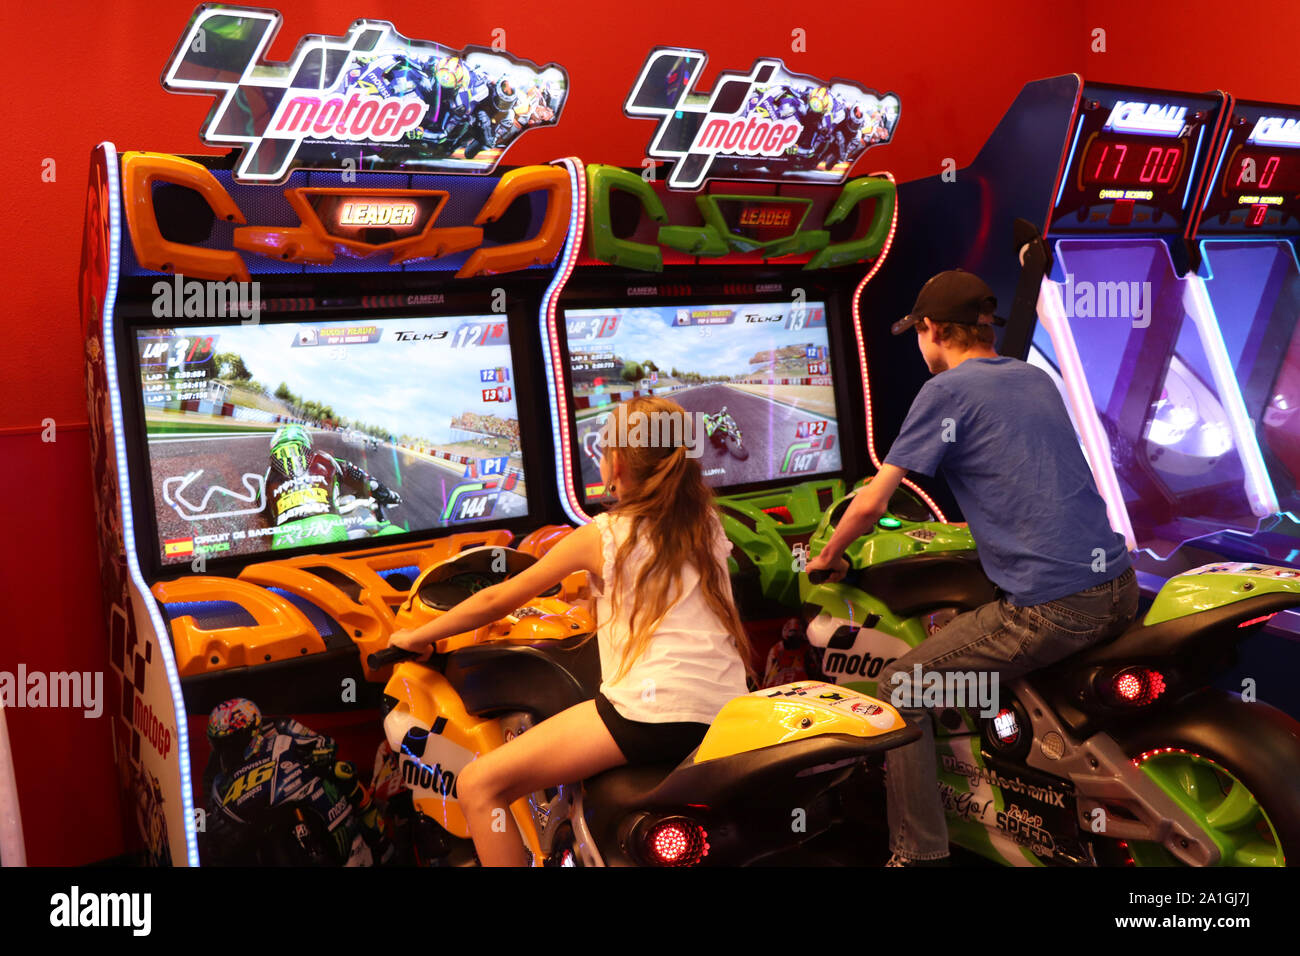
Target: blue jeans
<point x="996" y="638"/>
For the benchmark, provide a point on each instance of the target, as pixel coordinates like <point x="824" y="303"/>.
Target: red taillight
<point x="1129" y="686"/>
<point x="676" y="842"/>
<point x="1137" y="686"/>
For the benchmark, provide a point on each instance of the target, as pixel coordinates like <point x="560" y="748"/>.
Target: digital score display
<point x="1256" y="188"/>
<point x="1263" y="170"/>
<point x="1135" y="161"/>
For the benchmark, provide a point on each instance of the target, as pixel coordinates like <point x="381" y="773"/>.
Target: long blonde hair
<point x="669" y="503"/>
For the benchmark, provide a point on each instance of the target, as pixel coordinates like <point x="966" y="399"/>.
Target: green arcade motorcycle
<point x="1121" y="754"/>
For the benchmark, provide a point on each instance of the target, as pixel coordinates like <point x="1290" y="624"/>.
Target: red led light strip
<point x="862" y="357"/>
<point x="560" y="425"/>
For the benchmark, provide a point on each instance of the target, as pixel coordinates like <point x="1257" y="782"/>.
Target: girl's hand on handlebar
<point x="408" y="641"/>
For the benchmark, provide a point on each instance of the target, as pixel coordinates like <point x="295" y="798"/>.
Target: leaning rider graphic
<point x="302" y="493"/>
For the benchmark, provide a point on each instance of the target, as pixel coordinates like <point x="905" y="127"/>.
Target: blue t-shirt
<point x="1000" y="432"/>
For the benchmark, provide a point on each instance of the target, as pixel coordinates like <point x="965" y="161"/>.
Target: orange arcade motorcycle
<point x="761" y="786"/>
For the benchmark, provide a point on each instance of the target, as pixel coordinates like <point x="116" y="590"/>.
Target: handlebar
<point x="847" y="575"/>
<point x="390" y="655"/>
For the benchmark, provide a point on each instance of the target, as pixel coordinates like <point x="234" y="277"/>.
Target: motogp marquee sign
<point x="767" y="124"/>
<point x="372" y="99"/>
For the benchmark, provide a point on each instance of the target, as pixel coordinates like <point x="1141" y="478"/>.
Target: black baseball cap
<point x="953" y="296"/>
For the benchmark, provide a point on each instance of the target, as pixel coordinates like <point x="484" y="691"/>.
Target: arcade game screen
<point x="281" y="436"/>
<point x="755" y="377"/>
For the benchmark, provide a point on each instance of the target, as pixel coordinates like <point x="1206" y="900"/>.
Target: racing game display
<point x="293" y="435"/>
<point x="755" y="378"/>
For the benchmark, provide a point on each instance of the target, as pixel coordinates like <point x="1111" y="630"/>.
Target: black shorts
<point x="643" y="742"/>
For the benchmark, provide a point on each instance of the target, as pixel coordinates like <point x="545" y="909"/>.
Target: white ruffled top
<point x="690" y="667"/>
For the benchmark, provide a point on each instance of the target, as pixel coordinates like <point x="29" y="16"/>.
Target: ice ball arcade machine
<point x="1166" y="319"/>
<point x="725" y="275"/>
<point x="309" y="378"/>
<point x="1246" y="232"/>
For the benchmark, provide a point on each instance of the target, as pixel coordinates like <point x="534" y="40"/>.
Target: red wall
<point x="955" y="70"/>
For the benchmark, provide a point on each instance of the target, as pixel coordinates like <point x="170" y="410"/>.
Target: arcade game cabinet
<point x="1114" y="309"/>
<point x="729" y="281"/>
<point x="309" y="378"/>
<point x="1167" y="331"/>
<point x="1246" y="233"/>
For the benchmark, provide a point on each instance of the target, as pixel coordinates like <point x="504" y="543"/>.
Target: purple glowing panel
<point x="1254" y="288"/>
<point x="1154" y="389"/>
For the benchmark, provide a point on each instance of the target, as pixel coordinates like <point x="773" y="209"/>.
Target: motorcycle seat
<point x="780" y="776"/>
<point x="542" y="678"/>
<point x="927" y="582"/>
<point x="625" y="788"/>
<point x="739" y="777"/>
<point x="1188" y="636"/>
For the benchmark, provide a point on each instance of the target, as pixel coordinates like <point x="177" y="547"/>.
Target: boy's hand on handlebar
<point x="834" y="570"/>
<point x="408" y="641"/>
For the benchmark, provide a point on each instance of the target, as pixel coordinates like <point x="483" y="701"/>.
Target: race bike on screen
<point x="1120" y="754"/>
<point x="724" y="433"/>
<point x="313" y="498"/>
<point x="278" y="796"/>
<point x="729" y="802"/>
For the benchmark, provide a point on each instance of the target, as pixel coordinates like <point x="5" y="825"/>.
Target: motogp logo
<point x="767" y="124"/>
<point x="371" y="99"/>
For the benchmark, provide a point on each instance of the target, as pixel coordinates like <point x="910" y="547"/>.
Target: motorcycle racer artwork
<point x="837" y="127"/>
<point x="150" y="816"/>
<point x="791" y="658"/>
<point x="476" y="104"/>
<point x="304" y="500"/>
<point x="370" y="99"/>
<point x="777" y="126"/>
<point x="277" y="794"/>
